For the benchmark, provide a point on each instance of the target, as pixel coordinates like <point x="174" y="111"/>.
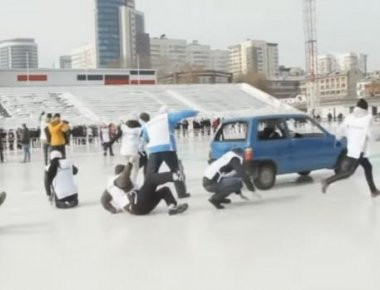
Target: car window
<point x="272" y="129"/>
<point x="303" y="128"/>
<point x="234" y="131"/>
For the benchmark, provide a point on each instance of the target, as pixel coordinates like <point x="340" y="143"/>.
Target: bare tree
<point x="258" y="80"/>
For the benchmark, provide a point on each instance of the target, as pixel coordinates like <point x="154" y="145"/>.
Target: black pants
<point x="224" y="187"/>
<point x="148" y="197"/>
<point x="45" y="149"/>
<point x="351" y="168"/>
<point x="108" y="146"/>
<point x="170" y="158"/>
<point x="1" y="155"/>
<point x="61" y="148"/>
<point x="143" y="161"/>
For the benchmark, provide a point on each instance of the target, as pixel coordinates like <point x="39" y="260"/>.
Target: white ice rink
<point x="295" y="238"/>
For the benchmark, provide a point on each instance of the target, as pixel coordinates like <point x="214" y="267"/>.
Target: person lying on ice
<point x="59" y="181"/>
<point x="225" y="176"/>
<point x="121" y="195"/>
<point x="3" y="196"/>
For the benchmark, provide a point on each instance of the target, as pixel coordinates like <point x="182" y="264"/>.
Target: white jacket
<point x="130" y="141"/>
<point x="356" y="128"/>
<point x="63" y="183"/>
<point x="119" y="197"/>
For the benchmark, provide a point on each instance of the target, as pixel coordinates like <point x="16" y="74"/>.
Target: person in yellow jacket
<point x="58" y="134"/>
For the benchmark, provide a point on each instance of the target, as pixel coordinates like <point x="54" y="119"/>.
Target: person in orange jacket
<point x="57" y="136"/>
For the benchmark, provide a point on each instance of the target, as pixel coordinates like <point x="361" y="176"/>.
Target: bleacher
<point x="90" y="105"/>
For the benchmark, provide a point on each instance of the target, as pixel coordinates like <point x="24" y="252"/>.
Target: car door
<point x="311" y="146"/>
<point x="272" y="143"/>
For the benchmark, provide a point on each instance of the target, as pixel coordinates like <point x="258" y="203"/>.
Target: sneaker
<point x="225" y="201"/>
<point x="216" y="203"/>
<point x="178" y="209"/>
<point x="186" y="195"/>
<point x="375" y="193"/>
<point x="324" y="186"/>
<point x="3" y="196"/>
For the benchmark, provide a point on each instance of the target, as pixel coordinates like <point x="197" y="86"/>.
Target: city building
<point x="135" y="43"/>
<point x="254" y="56"/>
<point x="168" y="55"/>
<point x="18" y="53"/>
<point x="76" y="77"/>
<point x="175" y="55"/>
<point x="284" y="88"/>
<point x="336" y="85"/>
<point x="197" y="77"/>
<point x="65" y="62"/>
<point x="83" y="57"/>
<point x="198" y="55"/>
<point x="369" y="86"/>
<point x="342" y="62"/>
<point x="108" y="44"/>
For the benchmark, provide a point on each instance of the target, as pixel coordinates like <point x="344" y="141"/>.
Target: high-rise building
<point x="135" y="43"/>
<point x="83" y="57"/>
<point x="108" y="31"/>
<point x="254" y="56"/>
<point x="65" y="62"/>
<point x="18" y="53"/>
<point x="343" y="62"/>
<point x="175" y="55"/>
<point x="168" y="55"/>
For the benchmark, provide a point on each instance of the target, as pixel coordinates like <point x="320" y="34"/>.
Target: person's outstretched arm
<point x="124" y="181"/>
<point x="106" y="203"/>
<point x="176" y="117"/>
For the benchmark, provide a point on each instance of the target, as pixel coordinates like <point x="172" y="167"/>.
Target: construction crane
<point x="311" y="56"/>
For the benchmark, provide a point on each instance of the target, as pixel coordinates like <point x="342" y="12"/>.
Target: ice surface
<point x="295" y="238"/>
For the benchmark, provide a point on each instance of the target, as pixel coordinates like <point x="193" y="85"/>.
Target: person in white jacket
<point x="356" y="128"/>
<point x="59" y="181"/>
<point x="129" y="133"/>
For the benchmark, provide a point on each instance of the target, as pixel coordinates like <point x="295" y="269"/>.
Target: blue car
<point x="279" y="144"/>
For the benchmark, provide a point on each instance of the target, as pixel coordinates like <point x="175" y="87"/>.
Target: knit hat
<point x="362" y="104"/>
<point x="145" y="117"/>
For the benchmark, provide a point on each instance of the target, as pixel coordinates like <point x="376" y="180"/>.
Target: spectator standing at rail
<point x="25" y="143"/>
<point x="105" y="139"/>
<point x="44" y="131"/>
<point x="11" y="139"/>
<point x="57" y="134"/>
<point x="2" y="143"/>
<point x="160" y="136"/>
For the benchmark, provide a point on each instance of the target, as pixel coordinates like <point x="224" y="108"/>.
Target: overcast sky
<point x="343" y="25"/>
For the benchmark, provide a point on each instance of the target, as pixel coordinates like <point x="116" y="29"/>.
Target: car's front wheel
<point x="266" y="177"/>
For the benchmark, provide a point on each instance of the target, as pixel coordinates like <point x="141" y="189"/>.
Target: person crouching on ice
<point x="59" y="181"/>
<point x="121" y="195"/>
<point x="225" y="176"/>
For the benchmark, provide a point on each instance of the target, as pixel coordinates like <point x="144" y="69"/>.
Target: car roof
<point x="264" y="116"/>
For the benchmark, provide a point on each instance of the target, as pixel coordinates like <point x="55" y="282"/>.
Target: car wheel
<point x="304" y="173"/>
<point x="266" y="177"/>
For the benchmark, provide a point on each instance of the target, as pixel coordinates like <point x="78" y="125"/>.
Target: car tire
<point x="266" y="176"/>
<point x="304" y="173"/>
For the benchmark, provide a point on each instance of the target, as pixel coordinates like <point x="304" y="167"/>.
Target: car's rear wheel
<point x="266" y="177"/>
<point x="304" y="173"/>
